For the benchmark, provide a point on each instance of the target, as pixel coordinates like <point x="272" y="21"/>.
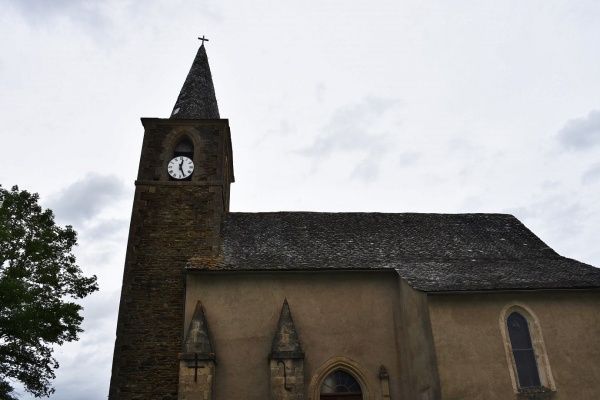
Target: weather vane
<point x="202" y="38"/>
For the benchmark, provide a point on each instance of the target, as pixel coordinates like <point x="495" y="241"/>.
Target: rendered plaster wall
<point x="343" y="314"/>
<point x="471" y="356"/>
<point x="419" y="372"/>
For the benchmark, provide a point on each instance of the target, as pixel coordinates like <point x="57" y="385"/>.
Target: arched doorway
<point x="340" y="385"/>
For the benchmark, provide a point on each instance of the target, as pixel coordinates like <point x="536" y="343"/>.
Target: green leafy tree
<point x="38" y="282"/>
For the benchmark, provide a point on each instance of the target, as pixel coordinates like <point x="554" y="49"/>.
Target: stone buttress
<point x="286" y="360"/>
<point x="197" y="362"/>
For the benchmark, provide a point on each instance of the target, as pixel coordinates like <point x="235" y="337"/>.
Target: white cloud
<point x="86" y="198"/>
<point x="367" y="170"/>
<point x="350" y="128"/>
<point x="87" y="14"/>
<point x="320" y="91"/>
<point x="592" y="174"/>
<point x="356" y="129"/>
<point x="409" y="158"/>
<point x="560" y="217"/>
<point x="106" y="228"/>
<point x="581" y="133"/>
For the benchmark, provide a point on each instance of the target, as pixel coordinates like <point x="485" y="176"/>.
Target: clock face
<point x="180" y="167"/>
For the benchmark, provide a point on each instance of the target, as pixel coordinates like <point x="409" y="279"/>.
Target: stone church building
<point x="217" y="305"/>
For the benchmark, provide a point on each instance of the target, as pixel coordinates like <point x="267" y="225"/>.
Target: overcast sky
<point x="382" y="105"/>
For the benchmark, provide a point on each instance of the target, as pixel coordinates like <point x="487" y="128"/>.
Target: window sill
<point x="535" y="393"/>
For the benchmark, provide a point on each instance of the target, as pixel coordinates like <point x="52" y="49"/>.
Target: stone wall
<point x="172" y="223"/>
<point x="287" y="379"/>
<point x="196" y="380"/>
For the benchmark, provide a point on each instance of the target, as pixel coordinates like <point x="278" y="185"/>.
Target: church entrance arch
<point x="339" y="379"/>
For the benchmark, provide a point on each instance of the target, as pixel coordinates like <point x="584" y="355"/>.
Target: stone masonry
<point x="173" y="223"/>
<point x="286" y="360"/>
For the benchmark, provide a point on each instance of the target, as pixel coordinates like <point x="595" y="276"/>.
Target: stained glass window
<point x="522" y="349"/>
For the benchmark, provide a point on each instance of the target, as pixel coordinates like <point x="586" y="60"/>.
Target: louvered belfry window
<point x="522" y="349"/>
<point x="184" y="148"/>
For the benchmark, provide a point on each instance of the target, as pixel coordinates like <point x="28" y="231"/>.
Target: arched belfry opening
<point x="185" y="148"/>
<point x="183" y="154"/>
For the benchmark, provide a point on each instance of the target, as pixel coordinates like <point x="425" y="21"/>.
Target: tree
<point x="38" y="282"/>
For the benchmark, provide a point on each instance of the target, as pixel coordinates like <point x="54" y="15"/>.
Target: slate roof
<point x="432" y="252"/>
<point x="197" y="99"/>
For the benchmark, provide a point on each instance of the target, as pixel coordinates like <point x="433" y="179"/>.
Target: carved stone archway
<point x="343" y="364"/>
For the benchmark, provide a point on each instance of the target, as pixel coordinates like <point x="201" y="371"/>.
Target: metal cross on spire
<point x="202" y="38"/>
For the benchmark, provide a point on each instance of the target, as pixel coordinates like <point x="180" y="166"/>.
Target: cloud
<point x="367" y="170"/>
<point x="95" y="345"/>
<point x="348" y="129"/>
<point x="320" y="90"/>
<point x="592" y="175"/>
<point x="558" y="216"/>
<point x="409" y="158"/>
<point x="102" y="18"/>
<point x="99" y="310"/>
<point x="106" y="228"/>
<point x="42" y="12"/>
<point x="284" y="129"/>
<point x="86" y="198"/>
<point x="351" y="129"/>
<point x="581" y="133"/>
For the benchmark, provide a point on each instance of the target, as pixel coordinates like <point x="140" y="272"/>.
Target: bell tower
<point x="181" y="196"/>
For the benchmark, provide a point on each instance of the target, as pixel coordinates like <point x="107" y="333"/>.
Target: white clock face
<point x="180" y="167"/>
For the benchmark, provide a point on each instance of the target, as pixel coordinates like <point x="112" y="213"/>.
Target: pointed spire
<point x="197" y="339"/>
<point x="197" y="99"/>
<point x="286" y="343"/>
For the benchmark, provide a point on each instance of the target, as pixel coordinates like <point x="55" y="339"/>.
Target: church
<point x="220" y="305"/>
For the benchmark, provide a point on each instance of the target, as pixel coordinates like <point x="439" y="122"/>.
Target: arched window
<point x="340" y="385"/>
<point x="522" y="349"/>
<point x="340" y="378"/>
<point x="528" y="362"/>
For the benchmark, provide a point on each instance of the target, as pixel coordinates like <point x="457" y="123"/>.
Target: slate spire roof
<point x="286" y="343"/>
<point x="197" y="340"/>
<point x="197" y="99"/>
